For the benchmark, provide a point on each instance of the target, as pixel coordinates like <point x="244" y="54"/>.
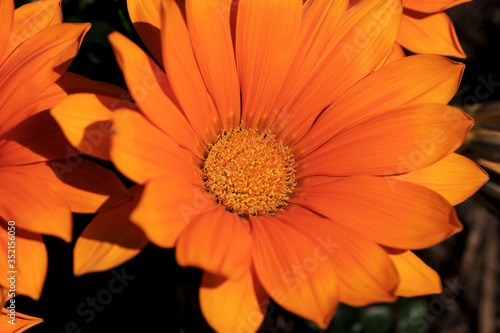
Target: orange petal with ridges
<point x="86" y="186"/>
<point x="415" y="277"/>
<point x="71" y="83"/>
<point x="4" y="295"/>
<point x="431" y="6"/>
<point x="316" y="16"/>
<point x="398" y="84"/>
<point x="184" y="75"/>
<point x="23" y="322"/>
<point x="244" y="302"/>
<point x="433" y="34"/>
<point x="200" y="244"/>
<point x="36" y="139"/>
<point x="55" y="47"/>
<point x="210" y="34"/>
<point x="32" y="18"/>
<point x="396" y="53"/>
<point x="455" y="177"/>
<point x="33" y="205"/>
<point x="142" y="152"/>
<point x="30" y="261"/>
<point x="110" y="239"/>
<point x="359" y="49"/>
<point x="148" y="85"/>
<point x="266" y="36"/>
<point x="285" y="262"/>
<point x="408" y="216"/>
<point x="85" y="120"/>
<point x="394" y="142"/>
<point x="145" y="15"/>
<point x="168" y="205"/>
<point x="364" y="272"/>
<point x="7" y="15"/>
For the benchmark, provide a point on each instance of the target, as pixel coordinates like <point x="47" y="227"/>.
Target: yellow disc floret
<point x="249" y="171"/>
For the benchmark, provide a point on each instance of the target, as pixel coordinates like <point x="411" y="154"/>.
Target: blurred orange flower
<point x="43" y="178"/>
<point x="280" y="156"/>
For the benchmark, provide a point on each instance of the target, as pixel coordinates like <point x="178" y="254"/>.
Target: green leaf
<point x="413" y="315"/>
<point x="377" y="319"/>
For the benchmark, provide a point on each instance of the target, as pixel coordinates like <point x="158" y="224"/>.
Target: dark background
<point x="160" y="296"/>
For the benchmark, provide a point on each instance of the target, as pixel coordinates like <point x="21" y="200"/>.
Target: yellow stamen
<point x="249" y="172"/>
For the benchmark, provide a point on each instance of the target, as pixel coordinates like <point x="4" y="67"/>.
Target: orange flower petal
<point x="32" y="18"/>
<point x="30" y="261"/>
<point x="37" y="138"/>
<point x="184" y="74"/>
<point x="364" y="38"/>
<point x="55" y="47"/>
<point x="110" y="239"/>
<point x="244" y="302"/>
<point x="33" y="205"/>
<point x="396" y="53"/>
<point x="168" y="204"/>
<point x="85" y="120"/>
<point x="23" y="322"/>
<point x="415" y="277"/>
<point x="267" y="35"/>
<point x="434" y="33"/>
<point x="132" y="133"/>
<point x="455" y="177"/>
<point x="210" y="34"/>
<point x="292" y="266"/>
<point x="393" y="142"/>
<point x="431" y="6"/>
<point x="4" y="294"/>
<point x="7" y="15"/>
<point x="145" y="15"/>
<point x="87" y="187"/>
<point x="147" y="84"/>
<point x="71" y="83"/>
<point x="200" y="244"/>
<point x="399" y="83"/>
<point x="363" y="269"/>
<point x="314" y="43"/>
<point x="407" y="216"/>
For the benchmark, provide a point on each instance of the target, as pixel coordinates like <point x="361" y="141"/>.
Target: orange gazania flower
<point x="280" y="157"/>
<point x="42" y="178"/>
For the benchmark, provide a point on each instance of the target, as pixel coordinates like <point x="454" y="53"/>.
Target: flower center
<point x="249" y="172"/>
